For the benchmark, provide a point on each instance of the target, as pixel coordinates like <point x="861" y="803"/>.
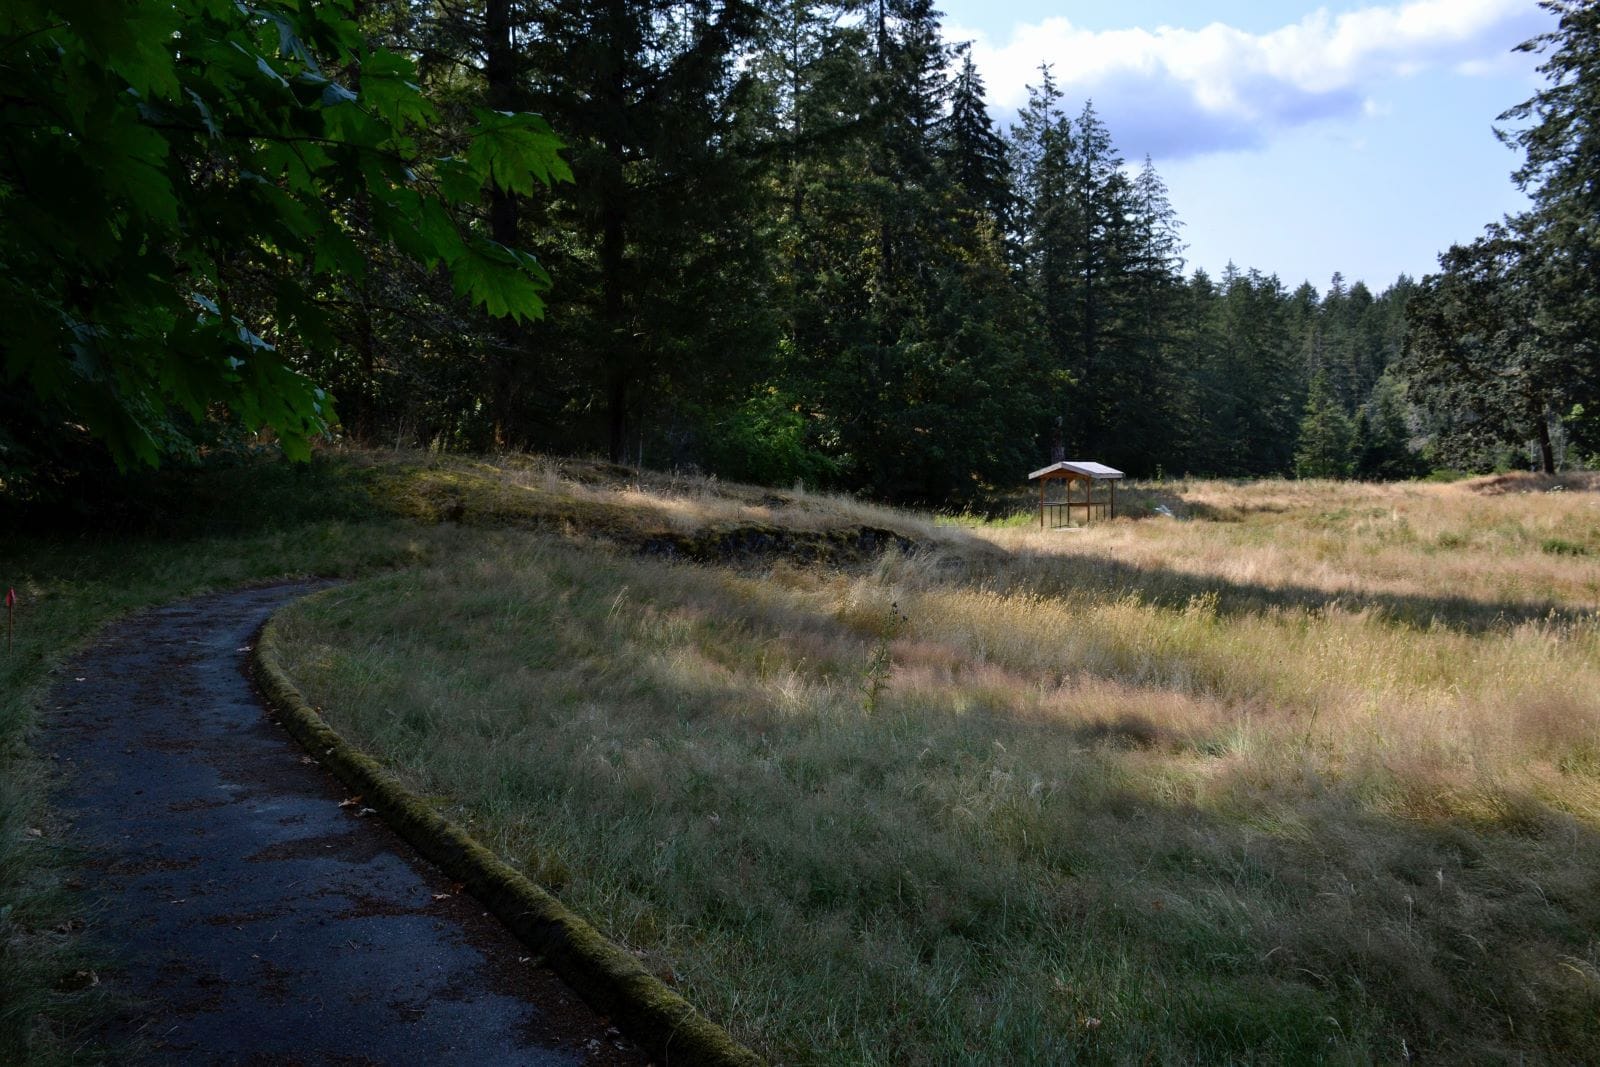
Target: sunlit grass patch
<point x="1291" y="785"/>
<point x="593" y="499"/>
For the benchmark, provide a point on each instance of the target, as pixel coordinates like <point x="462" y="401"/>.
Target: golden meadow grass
<point x="1313" y="776"/>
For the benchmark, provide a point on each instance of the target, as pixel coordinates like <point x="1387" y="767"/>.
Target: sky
<point x="1297" y="138"/>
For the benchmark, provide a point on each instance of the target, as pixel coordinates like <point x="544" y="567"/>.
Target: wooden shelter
<point x="1077" y="473"/>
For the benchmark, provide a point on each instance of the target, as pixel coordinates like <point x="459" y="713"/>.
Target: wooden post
<point x="1113" y="499"/>
<point x="1041" y="502"/>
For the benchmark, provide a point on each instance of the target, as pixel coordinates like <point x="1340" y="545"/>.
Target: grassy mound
<point x="1304" y="771"/>
<point x="176" y="533"/>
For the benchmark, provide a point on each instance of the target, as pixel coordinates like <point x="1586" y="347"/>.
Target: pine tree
<point x="1044" y="241"/>
<point x="974" y="154"/>
<point x="910" y="345"/>
<point x="1155" y="419"/>
<point x="1097" y="196"/>
<point x="1561" y="234"/>
<point x="1327" y="440"/>
<point x="664" y="270"/>
<point x="1252" y="381"/>
<point x="1382" y="435"/>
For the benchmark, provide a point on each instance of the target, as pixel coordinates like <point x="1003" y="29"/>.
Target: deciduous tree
<point x="152" y="145"/>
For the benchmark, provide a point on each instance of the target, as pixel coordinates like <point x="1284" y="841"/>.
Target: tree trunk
<point x="620" y="357"/>
<point x="500" y="80"/>
<point x="611" y="266"/>
<point x="617" y="412"/>
<point x="1547" y="451"/>
<point x="365" y="342"/>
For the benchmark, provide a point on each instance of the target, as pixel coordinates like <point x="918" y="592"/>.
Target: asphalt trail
<point x="254" y="918"/>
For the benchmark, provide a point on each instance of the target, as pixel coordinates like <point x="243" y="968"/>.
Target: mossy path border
<point x="658" y="1019"/>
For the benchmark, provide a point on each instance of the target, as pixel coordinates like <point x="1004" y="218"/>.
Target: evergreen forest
<point x="771" y="240"/>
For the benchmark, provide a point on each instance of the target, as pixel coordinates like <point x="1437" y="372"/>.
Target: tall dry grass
<point x="1312" y="776"/>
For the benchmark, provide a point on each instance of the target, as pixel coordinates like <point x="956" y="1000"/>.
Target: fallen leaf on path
<point x="441" y="896"/>
<point x="34" y="831"/>
<point x="364" y="812"/>
<point x="350" y="802"/>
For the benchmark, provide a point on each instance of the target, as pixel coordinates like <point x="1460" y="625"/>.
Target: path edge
<point x="652" y="1015"/>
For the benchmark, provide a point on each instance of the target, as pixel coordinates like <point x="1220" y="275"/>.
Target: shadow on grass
<point x="1083" y="573"/>
<point x="1288" y="923"/>
<point x="226" y="494"/>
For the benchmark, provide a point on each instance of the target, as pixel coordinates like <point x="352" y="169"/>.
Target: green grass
<point x="1312" y="774"/>
<point x="1290" y="783"/>
<point x="164" y="536"/>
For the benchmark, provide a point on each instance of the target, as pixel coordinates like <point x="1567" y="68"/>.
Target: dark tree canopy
<point x="796" y="247"/>
<point x="1504" y="346"/>
<point x="154" y="148"/>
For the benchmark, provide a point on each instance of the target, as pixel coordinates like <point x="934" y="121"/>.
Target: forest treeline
<point x="795" y="246"/>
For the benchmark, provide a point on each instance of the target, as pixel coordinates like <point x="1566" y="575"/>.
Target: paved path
<point x="257" y="919"/>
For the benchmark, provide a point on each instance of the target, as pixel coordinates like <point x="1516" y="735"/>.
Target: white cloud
<point x="1179" y="92"/>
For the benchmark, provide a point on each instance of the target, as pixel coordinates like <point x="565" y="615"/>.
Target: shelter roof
<point x="1087" y="468"/>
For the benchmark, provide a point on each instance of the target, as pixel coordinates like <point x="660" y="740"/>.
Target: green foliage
<point x="1562" y="157"/>
<point x="1476" y="358"/>
<point x="658" y="242"/>
<point x="1503" y="348"/>
<point x="764" y="440"/>
<point x="1382" y="435"/>
<point x="1327" y="440"/>
<point x="909" y="343"/>
<point x="1557" y="546"/>
<point x="875" y="678"/>
<point x="155" y="150"/>
<point x="1246" y="373"/>
<point x="796" y="247"/>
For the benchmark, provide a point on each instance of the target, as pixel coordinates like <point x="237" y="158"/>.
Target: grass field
<point x="1308" y="772"/>
<point x="237" y="521"/>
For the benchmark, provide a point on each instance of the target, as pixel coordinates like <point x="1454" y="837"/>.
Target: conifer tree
<point x="1040" y="147"/>
<point x="1327" y="439"/>
<point x="1382" y="434"/>
<point x="657" y="243"/>
<point x="1561" y="233"/>
<point x="973" y="152"/>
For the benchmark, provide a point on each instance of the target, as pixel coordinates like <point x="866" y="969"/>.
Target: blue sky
<point x="1299" y="138"/>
